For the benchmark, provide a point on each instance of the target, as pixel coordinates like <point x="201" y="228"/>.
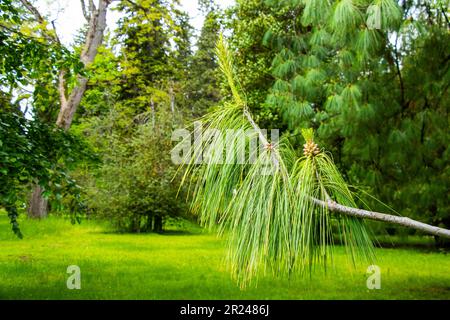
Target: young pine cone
<point x="310" y="149"/>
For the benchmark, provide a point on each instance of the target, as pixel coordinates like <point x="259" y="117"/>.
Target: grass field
<point x="187" y="265"/>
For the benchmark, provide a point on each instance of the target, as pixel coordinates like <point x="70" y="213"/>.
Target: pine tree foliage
<point x="152" y="69"/>
<point x="203" y="77"/>
<point x="346" y="32"/>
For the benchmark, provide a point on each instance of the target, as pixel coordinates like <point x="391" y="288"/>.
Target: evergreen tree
<point x="145" y="58"/>
<point x="203" y="84"/>
<point x="249" y="21"/>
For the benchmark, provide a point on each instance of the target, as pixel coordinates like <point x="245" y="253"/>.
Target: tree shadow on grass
<point x="418" y="244"/>
<point x="163" y="233"/>
<point x="428" y="247"/>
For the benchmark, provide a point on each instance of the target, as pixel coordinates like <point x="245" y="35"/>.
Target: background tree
<point x="71" y="83"/>
<point x="32" y="151"/>
<point x="134" y="186"/>
<point x="203" y="84"/>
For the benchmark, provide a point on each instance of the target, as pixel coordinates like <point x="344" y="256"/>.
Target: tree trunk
<point x="96" y="17"/>
<point x="94" y="38"/>
<point x="148" y="224"/>
<point x="158" y="224"/>
<point x="136" y="225"/>
<point x="38" y="206"/>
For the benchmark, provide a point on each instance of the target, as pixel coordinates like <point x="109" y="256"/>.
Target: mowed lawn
<point x="187" y="265"/>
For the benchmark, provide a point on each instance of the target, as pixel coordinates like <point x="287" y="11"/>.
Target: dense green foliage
<point x="31" y="55"/>
<point x="33" y="152"/>
<point x="203" y="80"/>
<point x="146" y="57"/>
<point x="134" y="186"/>
<point x="144" y="82"/>
<point x="249" y="20"/>
<point x="264" y="203"/>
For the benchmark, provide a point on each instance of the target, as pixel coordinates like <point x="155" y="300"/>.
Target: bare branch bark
<point x="33" y="11"/>
<point x="94" y="37"/>
<point x="56" y="34"/>
<point x="86" y="14"/>
<point x="378" y="216"/>
<point x="62" y="87"/>
<point x="91" y="6"/>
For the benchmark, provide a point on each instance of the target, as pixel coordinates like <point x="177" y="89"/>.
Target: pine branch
<point x="360" y="213"/>
<point x="377" y="216"/>
<point x="262" y="138"/>
<point x="226" y="66"/>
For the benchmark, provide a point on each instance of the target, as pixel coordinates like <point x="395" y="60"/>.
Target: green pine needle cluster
<point x="266" y="208"/>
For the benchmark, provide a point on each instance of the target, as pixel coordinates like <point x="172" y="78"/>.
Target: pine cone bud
<point x="310" y="149"/>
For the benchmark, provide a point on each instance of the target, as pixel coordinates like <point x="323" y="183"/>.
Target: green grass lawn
<point x="187" y="265"/>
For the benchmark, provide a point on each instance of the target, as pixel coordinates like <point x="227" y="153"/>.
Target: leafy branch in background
<point x="280" y="213"/>
<point x="32" y="152"/>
